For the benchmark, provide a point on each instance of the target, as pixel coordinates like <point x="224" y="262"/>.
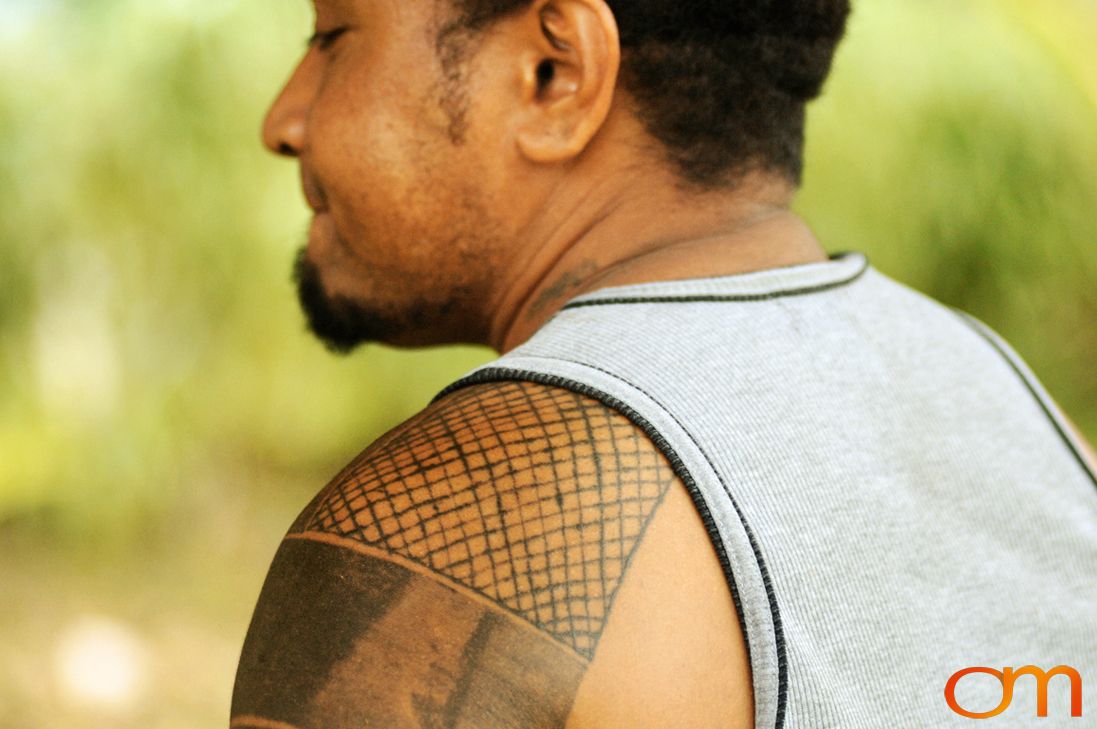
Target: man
<point x="717" y="478"/>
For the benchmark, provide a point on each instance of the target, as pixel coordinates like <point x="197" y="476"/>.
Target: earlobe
<point x="569" y="75"/>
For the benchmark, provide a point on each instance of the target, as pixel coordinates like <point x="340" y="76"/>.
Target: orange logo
<point x="1007" y="677"/>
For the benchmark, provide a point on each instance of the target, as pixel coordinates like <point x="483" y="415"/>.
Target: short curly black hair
<point x="723" y="84"/>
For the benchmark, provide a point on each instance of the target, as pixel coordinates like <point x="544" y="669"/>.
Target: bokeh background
<point x="163" y="413"/>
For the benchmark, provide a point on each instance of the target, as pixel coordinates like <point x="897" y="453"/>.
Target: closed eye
<point x="323" y="40"/>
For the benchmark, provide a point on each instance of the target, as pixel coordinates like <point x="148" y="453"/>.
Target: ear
<point x="569" y="65"/>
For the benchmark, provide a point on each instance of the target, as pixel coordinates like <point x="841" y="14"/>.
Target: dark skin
<point x="515" y="555"/>
<point x="555" y="189"/>
<point x="510" y="557"/>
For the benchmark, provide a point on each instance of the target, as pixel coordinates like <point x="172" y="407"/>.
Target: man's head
<point x="440" y="139"/>
<point x="722" y="84"/>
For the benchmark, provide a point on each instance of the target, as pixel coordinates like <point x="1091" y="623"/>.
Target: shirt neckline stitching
<point x="758" y="296"/>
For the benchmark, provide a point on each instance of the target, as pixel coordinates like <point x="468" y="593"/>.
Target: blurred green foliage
<point x="152" y="347"/>
<point x="162" y="410"/>
<point x="956" y="146"/>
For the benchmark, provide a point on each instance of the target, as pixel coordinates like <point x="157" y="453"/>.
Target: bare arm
<point x="461" y="573"/>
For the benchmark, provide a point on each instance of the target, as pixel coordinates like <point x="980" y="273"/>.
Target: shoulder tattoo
<point x="458" y="573"/>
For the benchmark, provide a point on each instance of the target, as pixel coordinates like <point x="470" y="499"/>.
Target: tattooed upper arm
<point x="458" y="573"/>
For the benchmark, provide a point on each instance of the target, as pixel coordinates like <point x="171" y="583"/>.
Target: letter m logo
<point x="1042" y="678"/>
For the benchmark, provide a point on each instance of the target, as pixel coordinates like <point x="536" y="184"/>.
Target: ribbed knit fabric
<point x="892" y="493"/>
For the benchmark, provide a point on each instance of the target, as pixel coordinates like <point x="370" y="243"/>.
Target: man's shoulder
<point x="461" y="571"/>
<point x="527" y="495"/>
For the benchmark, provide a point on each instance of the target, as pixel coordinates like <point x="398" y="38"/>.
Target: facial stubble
<point x="342" y="323"/>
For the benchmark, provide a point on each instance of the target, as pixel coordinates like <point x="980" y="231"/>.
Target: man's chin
<point x="342" y="324"/>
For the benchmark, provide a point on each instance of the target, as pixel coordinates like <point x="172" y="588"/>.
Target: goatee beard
<point x="341" y="323"/>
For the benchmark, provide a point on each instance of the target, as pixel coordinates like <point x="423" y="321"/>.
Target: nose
<point x="284" y="129"/>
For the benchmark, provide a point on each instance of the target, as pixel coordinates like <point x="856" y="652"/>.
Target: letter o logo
<point x="1004" y="677"/>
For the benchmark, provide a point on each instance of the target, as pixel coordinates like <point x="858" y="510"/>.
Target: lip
<point x="313" y="195"/>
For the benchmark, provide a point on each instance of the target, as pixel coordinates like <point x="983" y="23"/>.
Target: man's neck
<point x="648" y="236"/>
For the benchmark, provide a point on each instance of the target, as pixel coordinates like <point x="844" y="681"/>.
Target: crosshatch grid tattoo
<point x="533" y="496"/>
<point x="458" y="573"/>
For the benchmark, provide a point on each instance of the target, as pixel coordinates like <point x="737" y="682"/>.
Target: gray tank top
<point x="893" y="495"/>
